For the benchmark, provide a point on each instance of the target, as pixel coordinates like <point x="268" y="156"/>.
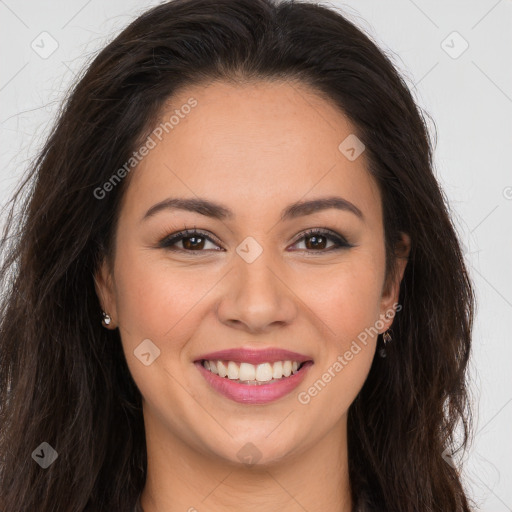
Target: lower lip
<point x="255" y="394"/>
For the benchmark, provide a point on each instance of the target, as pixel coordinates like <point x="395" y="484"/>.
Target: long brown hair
<point x="63" y="377"/>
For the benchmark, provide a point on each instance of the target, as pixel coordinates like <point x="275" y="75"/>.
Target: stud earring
<point x="106" y="319"/>
<point x="386" y="338"/>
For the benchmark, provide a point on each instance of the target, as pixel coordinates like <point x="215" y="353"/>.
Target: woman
<point x="236" y="285"/>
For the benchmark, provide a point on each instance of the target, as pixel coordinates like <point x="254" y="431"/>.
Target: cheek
<point x="335" y="384"/>
<point x="158" y="303"/>
<point x="146" y="308"/>
<point x="347" y="298"/>
<point x="348" y="304"/>
<point x="157" y="300"/>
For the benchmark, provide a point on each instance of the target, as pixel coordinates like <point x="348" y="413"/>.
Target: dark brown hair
<point x="64" y="378"/>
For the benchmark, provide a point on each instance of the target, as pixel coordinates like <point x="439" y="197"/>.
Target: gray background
<point x="468" y="93"/>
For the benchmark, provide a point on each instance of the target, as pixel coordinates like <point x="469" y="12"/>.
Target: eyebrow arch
<point x="217" y="211"/>
<point x="301" y="208"/>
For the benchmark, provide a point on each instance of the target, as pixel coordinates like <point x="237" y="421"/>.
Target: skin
<point x="255" y="148"/>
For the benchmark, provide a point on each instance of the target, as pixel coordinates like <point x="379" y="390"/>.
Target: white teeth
<point x="232" y="371"/>
<point x="264" y="372"/>
<point x="222" y="369"/>
<point x="278" y="370"/>
<point x="247" y="372"/>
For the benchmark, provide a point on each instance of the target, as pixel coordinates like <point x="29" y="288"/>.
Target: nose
<point x="258" y="297"/>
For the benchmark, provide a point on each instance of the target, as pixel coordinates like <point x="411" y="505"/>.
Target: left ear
<point x="105" y="290"/>
<point x="391" y="290"/>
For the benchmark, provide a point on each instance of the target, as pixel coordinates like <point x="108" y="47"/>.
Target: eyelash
<point x="340" y="242"/>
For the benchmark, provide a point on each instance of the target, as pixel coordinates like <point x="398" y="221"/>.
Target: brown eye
<point x="190" y="240"/>
<point x="193" y="243"/>
<point x="317" y="240"/>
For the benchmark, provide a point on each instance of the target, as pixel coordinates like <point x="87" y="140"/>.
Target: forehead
<point x="262" y="144"/>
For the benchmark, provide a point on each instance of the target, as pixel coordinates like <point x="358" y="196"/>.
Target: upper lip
<point x="255" y="356"/>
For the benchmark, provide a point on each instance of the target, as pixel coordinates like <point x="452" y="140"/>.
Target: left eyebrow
<point x="217" y="211"/>
<point x="324" y="203"/>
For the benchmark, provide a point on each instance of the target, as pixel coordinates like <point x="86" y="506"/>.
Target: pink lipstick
<point x="254" y="376"/>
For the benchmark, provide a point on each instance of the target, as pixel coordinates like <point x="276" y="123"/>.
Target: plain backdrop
<point x="456" y="57"/>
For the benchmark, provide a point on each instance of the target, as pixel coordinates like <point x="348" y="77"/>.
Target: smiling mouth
<point x="253" y="374"/>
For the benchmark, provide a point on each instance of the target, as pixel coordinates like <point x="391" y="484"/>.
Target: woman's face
<point x="260" y="282"/>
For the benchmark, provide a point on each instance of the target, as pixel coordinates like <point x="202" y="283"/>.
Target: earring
<point x="386" y="338"/>
<point x="106" y="319"/>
